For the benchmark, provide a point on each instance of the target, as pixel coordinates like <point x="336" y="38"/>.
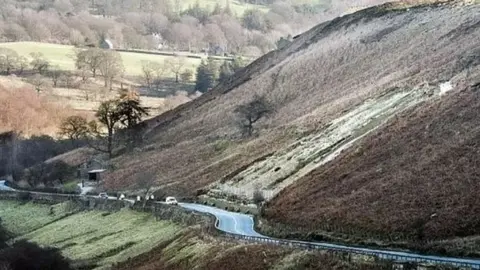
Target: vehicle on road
<point x="171" y="201"/>
<point x="103" y="195"/>
<point x="4" y="186"/>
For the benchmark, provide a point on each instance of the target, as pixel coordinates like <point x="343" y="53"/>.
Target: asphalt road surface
<point x="242" y="224"/>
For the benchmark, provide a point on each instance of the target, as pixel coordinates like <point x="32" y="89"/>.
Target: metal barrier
<point x="380" y="254"/>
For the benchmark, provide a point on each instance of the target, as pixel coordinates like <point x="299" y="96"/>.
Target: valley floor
<point x="128" y="239"/>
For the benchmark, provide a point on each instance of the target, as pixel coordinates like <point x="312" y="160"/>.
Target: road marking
<point x="235" y="226"/>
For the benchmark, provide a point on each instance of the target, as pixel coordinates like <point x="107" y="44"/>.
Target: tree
<point x="68" y="80"/>
<point x="258" y="197"/>
<point x="39" y="62"/>
<point x="226" y="71"/>
<point x="74" y="127"/>
<point x="9" y="60"/>
<point x="145" y="181"/>
<point x="152" y="70"/>
<point x="39" y="83"/>
<point x="131" y="113"/>
<point x="249" y="113"/>
<point x="153" y="73"/>
<point x="238" y="63"/>
<point x="89" y="59"/>
<point x="22" y="64"/>
<point x="129" y="109"/>
<point x="205" y="76"/>
<point x="175" y="65"/>
<point x="107" y="114"/>
<point x="111" y="65"/>
<point x="55" y="73"/>
<point x="254" y="19"/>
<point x="186" y="75"/>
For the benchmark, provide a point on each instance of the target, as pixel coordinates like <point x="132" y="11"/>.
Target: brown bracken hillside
<point x="416" y="179"/>
<point x="324" y="73"/>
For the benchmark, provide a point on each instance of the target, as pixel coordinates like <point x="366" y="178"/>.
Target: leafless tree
<point x="146" y="181"/>
<point x="111" y="66"/>
<point x="55" y="73"/>
<point x="249" y="113"/>
<point x="153" y="73"/>
<point x="186" y="75"/>
<point x="39" y="83"/>
<point x="9" y="60"/>
<point x="39" y="62"/>
<point x="90" y="59"/>
<point x="74" y="127"/>
<point x="175" y="65"/>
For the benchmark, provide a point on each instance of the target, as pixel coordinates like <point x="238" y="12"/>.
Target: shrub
<point x="258" y="196"/>
<point x="24" y="196"/>
<point x="47" y="173"/>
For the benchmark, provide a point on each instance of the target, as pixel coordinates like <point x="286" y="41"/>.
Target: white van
<point x="171" y="201"/>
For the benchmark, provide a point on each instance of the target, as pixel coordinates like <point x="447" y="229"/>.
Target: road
<point x="229" y="222"/>
<point x="243" y="225"/>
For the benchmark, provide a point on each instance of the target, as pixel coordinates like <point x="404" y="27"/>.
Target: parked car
<point x="171" y="201"/>
<point x="103" y="195"/>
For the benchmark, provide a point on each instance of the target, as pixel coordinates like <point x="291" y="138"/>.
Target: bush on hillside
<point x="258" y="196"/>
<point x="48" y="173"/>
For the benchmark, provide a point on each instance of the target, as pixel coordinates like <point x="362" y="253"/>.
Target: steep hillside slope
<point x="415" y="179"/>
<point x="392" y="55"/>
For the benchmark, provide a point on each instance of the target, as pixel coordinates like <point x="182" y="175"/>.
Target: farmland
<point x="127" y="239"/>
<point x="63" y="56"/>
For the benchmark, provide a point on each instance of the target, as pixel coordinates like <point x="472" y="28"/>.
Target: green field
<point x="95" y="236"/>
<point x="62" y="55"/>
<point x="236" y="6"/>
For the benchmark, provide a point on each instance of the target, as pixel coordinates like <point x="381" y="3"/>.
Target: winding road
<point x="243" y="225"/>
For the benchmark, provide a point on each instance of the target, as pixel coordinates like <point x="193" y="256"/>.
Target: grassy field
<point x="236" y="6"/>
<point x="99" y="237"/>
<point x="63" y="55"/>
<point x="21" y="219"/>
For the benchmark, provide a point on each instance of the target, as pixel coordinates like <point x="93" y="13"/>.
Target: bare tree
<point x="74" y="127"/>
<point x="186" y="75"/>
<point x="55" y="74"/>
<point x="153" y="73"/>
<point x="22" y="64"/>
<point x="39" y="83"/>
<point x="68" y="80"/>
<point x="145" y="182"/>
<point x="90" y="59"/>
<point x="251" y="112"/>
<point x="9" y="60"/>
<point x="111" y="65"/>
<point x="39" y="62"/>
<point x="148" y="73"/>
<point x="175" y="65"/>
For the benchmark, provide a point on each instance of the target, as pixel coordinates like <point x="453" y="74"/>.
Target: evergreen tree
<point x="205" y="76"/>
<point x="225" y="72"/>
<point x="129" y="108"/>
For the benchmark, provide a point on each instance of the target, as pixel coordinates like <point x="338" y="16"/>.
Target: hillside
<point x="370" y="80"/>
<point x="198" y="143"/>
